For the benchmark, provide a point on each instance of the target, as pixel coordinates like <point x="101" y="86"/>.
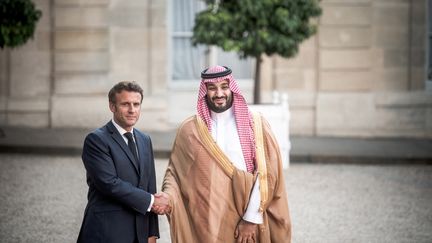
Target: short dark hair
<point x="130" y="86"/>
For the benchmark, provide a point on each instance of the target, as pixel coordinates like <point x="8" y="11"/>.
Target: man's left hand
<point x="246" y="232"/>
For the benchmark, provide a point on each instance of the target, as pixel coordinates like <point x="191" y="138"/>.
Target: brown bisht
<point x="209" y="195"/>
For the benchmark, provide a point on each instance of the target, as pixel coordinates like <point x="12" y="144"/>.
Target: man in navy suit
<point x="121" y="175"/>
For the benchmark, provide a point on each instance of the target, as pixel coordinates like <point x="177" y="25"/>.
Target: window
<point x="188" y="61"/>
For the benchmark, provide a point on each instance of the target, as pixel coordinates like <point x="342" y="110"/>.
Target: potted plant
<point x="18" y="22"/>
<point x="256" y="27"/>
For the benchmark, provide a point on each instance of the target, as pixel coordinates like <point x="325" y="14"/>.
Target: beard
<point x="219" y="109"/>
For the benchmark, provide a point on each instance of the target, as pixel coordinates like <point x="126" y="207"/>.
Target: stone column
<point x="4" y="84"/>
<point x="26" y="75"/>
<point x="418" y="36"/>
<point x="138" y="35"/>
<point x="402" y="106"/>
<point x="344" y="105"/>
<point x="298" y="76"/>
<point x="81" y="63"/>
<point x="158" y="46"/>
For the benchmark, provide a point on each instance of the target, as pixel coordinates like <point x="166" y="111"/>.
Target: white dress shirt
<point x="122" y="131"/>
<point x="224" y="132"/>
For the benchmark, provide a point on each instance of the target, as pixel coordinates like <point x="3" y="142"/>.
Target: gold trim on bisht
<point x="208" y="140"/>
<point x="260" y="159"/>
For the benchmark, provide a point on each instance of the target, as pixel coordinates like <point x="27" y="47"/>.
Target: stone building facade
<point x="363" y="74"/>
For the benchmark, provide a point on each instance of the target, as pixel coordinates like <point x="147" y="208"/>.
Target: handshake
<point x="161" y="204"/>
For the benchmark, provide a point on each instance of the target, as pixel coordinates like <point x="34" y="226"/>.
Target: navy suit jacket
<point x="120" y="188"/>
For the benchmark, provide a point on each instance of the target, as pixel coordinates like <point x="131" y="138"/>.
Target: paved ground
<point x="43" y="197"/>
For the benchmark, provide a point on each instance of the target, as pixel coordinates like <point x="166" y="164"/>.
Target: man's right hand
<point x="246" y="232"/>
<point x="161" y="203"/>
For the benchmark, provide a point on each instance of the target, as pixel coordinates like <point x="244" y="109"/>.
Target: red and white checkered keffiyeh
<point x="243" y="116"/>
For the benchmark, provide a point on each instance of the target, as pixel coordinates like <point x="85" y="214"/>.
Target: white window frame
<point x="211" y="59"/>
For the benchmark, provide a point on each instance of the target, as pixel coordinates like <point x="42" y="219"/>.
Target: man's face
<point x="219" y="96"/>
<point x="126" y="109"/>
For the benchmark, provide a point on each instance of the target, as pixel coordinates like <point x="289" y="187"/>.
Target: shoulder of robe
<point x="186" y="127"/>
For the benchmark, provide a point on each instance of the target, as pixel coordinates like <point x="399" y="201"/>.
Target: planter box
<point x="278" y="117"/>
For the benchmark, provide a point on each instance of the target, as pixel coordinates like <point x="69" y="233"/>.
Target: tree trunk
<point x="257" y="81"/>
<point x="5" y="82"/>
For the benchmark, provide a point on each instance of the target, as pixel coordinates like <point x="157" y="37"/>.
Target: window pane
<point x="184" y="14"/>
<point x="187" y="60"/>
<point x="242" y="68"/>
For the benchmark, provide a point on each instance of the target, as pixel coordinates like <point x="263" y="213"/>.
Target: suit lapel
<point x="120" y="141"/>
<point x="142" y="152"/>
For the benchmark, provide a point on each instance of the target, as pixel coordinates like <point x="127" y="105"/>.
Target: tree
<point x="255" y="27"/>
<point x="17" y="22"/>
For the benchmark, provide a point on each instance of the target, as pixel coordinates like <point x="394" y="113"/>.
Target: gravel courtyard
<point x="43" y="198"/>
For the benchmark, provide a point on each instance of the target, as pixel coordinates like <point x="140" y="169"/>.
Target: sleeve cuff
<point x="151" y="203"/>
<point x="252" y="213"/>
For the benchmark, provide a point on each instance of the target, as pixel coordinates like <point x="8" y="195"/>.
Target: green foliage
<point x="254" y="27"/>
<point x="17" y="22"/>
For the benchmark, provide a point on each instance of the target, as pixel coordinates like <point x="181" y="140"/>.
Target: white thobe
<point x="224" y="132"/>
